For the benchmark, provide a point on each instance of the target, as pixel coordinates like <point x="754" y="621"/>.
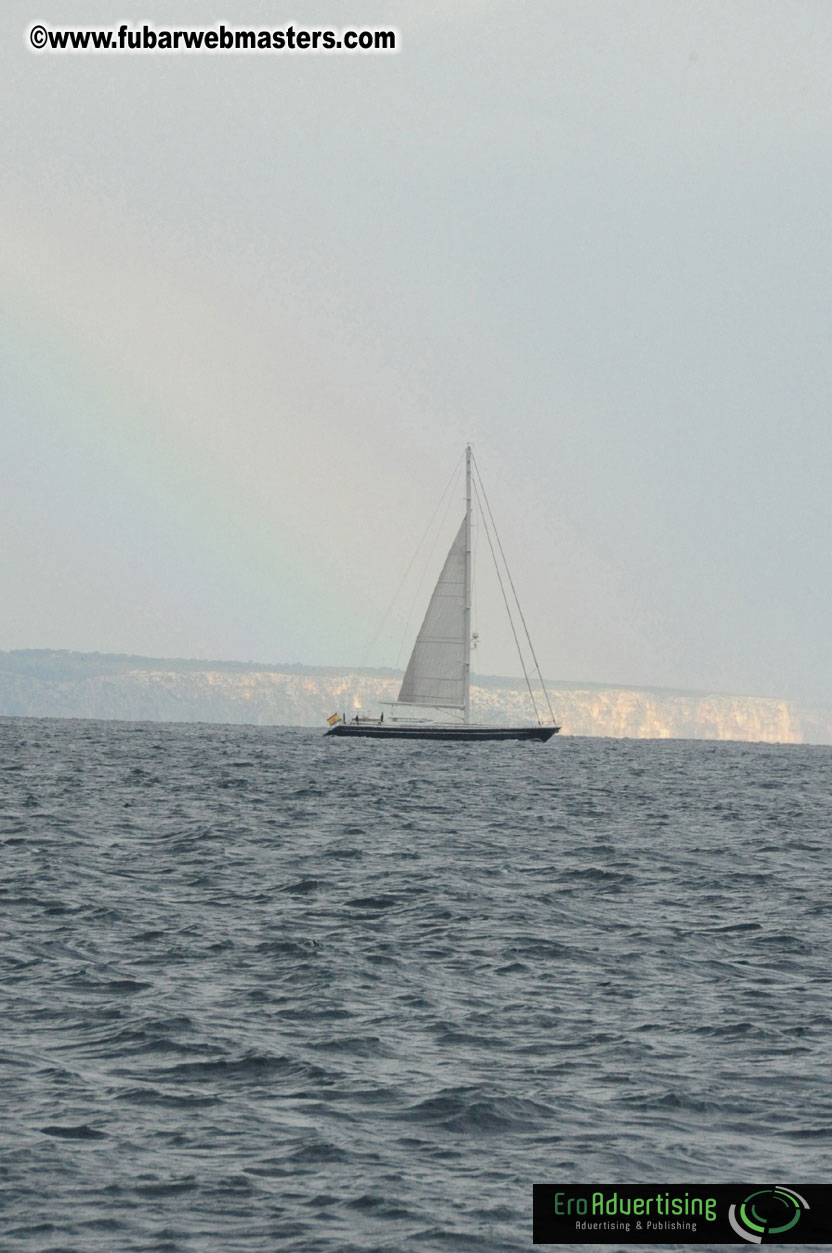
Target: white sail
<point x="435" y="674"/>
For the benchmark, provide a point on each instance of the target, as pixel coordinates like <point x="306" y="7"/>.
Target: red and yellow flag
<point x="333" y="718"/>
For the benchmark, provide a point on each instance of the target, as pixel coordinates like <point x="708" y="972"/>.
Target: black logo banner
<point x="682" y="1213"/>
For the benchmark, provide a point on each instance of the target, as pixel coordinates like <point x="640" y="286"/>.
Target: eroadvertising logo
<point x="769" y="1212"/>
<point x="682" y="1214"/>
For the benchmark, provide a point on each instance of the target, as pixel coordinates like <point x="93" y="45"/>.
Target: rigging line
<point x="516" y="598"/>
<point x="505" y="598"/>
<point x="401" y="582"/>
<point x="514" y="591"/>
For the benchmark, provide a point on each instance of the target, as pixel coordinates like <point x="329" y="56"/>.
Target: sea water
<point x="265" y="990"/>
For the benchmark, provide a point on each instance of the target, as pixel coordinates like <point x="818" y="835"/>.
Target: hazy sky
<point x="253" y="306"/>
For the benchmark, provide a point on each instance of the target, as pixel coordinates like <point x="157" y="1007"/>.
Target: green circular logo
<point x="767" y="1214"/>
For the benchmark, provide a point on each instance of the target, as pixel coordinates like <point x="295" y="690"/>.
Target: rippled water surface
<point x="267" y="991"/>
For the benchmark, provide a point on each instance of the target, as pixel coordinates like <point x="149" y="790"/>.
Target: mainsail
<point x="435" y="674"/>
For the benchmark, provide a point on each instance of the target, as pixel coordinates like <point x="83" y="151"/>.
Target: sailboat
<point x="438" y="674"/>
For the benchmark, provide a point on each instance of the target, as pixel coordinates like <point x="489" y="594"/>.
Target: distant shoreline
<point x="67" y="684"/>
<point x="41" y="660"/>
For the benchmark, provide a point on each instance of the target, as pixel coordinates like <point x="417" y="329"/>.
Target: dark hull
<point x="380" y="731"/>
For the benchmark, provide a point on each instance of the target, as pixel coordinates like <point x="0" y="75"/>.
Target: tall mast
<point x="466" y="656"/>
